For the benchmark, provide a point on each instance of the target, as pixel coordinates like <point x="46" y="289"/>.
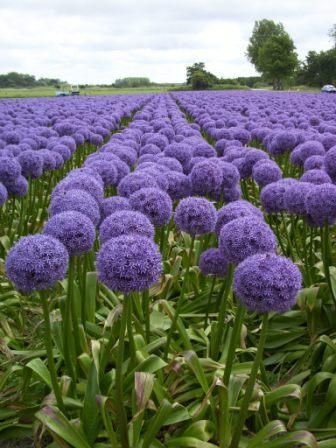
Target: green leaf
<point x="90" y="296"/>
<point x="53" y="419"/>
<point x="155" y="423"/>
<point x="38" y="367"/>
<point x="202" y="430"/>
<point x="190" y="442"/>
<point x="90" y="415"/>
<point x="269" y="431"/>
<point x="143" y="386"/>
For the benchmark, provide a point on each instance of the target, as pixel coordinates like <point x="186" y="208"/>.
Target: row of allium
<point x="183" y="271"/>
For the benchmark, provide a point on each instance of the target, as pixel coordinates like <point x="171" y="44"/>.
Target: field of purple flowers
<point x="167" y="271"/>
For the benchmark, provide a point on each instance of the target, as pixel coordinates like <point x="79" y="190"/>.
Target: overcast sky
<point x="97" y="41"/>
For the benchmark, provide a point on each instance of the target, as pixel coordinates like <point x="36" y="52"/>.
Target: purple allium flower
<point x="265" y="172"/>
<point x="59" y="162"/>
<point x="181" y="152"/>
<point x="80" y="181"/>
<point x="48" y="159"/>
<point x="313" y="163"/>
<point x="212" y="262"/>
<point x="311" y="148"/>
<point x="134" y="181"/>
<point x="158" y="174"/>
<point x="69" y="142"/>
<point x="96" y="139"/>
<point x="316" y="177"/>
<point x="36" y="262"/>
<point x="75" y="230"/>
<point x="159" y="140"/>
<point x="203" y="149"/>
<point x="244" y="237"/>
<point x="150" y="148"/>
<point x="233" y="153"/>
<point x="114" y="204"/>
<point x="63" y="150"/>
<point x="272" y="195"/>
<point x="295" y="197"/>
<point x="321" y="204"/>
<point x="10" y="169"/>
<point x="75" y="200"/>
<point x="252" y="156"/>
<point x="154" y="203"/>
<point x="3" y="194"/>
<point x="230" y="174"/>
<point x="18" y="187"/>
<point x="107" y="170"/>
<point x="195" y="216"/>
<point x="31" y="163"/>
<point x="267" y="282"/>
<point x="206" y="178"/>
<point x="281" y="142"/>
<point x="126" y="154"/>
<point x="179" y="185"/>
<point x="129" y="263"/>
<point x="171" y="163"/>
<point x="330" y="163"/>
<point x="234" y="210"/>
<point x="88" y="172"/>
<point x="125" y="222"/>
<point x="231" y="194"/>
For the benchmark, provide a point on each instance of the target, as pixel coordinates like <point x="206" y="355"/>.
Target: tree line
<point x="22" y="80"/>
<point x="272" y="51"/>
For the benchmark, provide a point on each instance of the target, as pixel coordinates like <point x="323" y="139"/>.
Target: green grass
<point x="50" y="91"/>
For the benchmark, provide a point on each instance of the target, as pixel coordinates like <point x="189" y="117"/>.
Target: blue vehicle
<point x="328" y="88"/>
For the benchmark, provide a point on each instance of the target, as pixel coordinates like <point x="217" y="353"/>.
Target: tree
<point x="200" y="80"/>
<point x="262" y="31"/>
<point x="197" y="66"/>
<point x="319" y="68"/>
<point x="277" y="59"/>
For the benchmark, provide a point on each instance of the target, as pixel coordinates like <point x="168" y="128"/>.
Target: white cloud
<point x="101" y="40"/>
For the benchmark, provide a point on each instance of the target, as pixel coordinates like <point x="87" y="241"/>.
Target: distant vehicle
<point x="329" y="88"/>
<point x="62" y="93"/>
<point x="74" y="90"/>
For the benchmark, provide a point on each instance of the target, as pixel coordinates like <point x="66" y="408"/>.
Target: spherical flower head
<point x="59" y="162"/>
<point x="212" y="262"/>
<point x="169" y="162"/>
<point x="63" y="150"/>
<point x="314" y="163"/>
<point x="31" y="163"/>
<point x="195" y="216"/>
<point x="122" y="167"/>
<point x="295" y="197"/>
<point x="241" y="134"/>
<point x="233" y="153"/>
<point x="251" y="157"/>
<point x="74" y="230"/>
<point x="3" y="194"/>
<point x="18" y="187"/>
<point x="230" y="194"/>
<point x="159" y="140"/>
<point x="80" y="181"/>
<point x="311" y="148"/>
<point x="272" y="195"/>
<point x="321" y="205"/>
<point x="48" y="159"/>
<point x="154" y="203"/>
<point x="114" y="204"/>
<point x="36" y="262"/>
<point x="179" y="185"/>
<point x="96" y="139"/>
<point x="10" y="169"/>
<point x="282" y="142"/>
<point x="206" y="178"/>
<point x="75" y="200"/>
<point x="88" y="172"/>
<point x="328" y="141"/>
<point x="244" y="237"/>
<point x="129" y="263"/>
<point x="316" y="177"/>
<point x="149" y="148"/>
<point x="265" y="172"/>
<point x="230" y="173"/>
<point x="267" y="282"/>
<point x="330" y="163"/>
<point x="181" y="152"/>
<point x="203" y="149"/>
<point x="159" y="175"/>
<point x="126" y="154"/>
<point x="134" y="181"/>
<point x="107" y="170"/>
<point x="234" y="210"/>
<point x="125" y="222"/>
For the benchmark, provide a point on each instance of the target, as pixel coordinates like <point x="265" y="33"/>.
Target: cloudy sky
<point x="97" y="41"/>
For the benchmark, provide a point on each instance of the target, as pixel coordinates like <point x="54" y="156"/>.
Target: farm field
<point x="167" y="270"/>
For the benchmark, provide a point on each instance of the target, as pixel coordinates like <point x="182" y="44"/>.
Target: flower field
<point x="167" y="270"/>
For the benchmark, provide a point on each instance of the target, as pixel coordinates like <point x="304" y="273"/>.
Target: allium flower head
<point x="267" y="282"/>
<point x="31" y="163"/>
<point x="316" y="177"/>
<point x="230" y="174"/>
<point x="107" y="170"/>
<point x="311" y="148"/>
<point x="125" y="222"/>
<point x="179" y="185"/>
<point x="18" y="187"/>
<point x="330" y="163"/>
<point x="75" y="200"/>
<point x="179" y="151"/>
<point x="212" y="262"/>
<point x="63" y="150"/>
<point x="171" y="163"/>
<point x="234" y="210"/>
<point x="3" y="194"/>
<point x="154" y="203"/>
<point x="114" y="204"/>
<point x="129" y="263"/>
<point x="265" y="172"/>
<point x="314" y="163"/>
<point x="134" y="181"/>
<point x="80" y="181"/>
<point x="295" y="197"/>
<point x="206" y="178"/>
<point x="244" y="237"/>
<point x="272" y="195"/>
<point x="36" y="262"/>
<point x="75" y="230"/>
<point x="10" y="169"/>
<point x="195" y="216"/>
<point x="321" y="204"/>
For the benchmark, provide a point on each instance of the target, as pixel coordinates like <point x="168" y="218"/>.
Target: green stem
<point x="180" y="299"/>
<point x="250" y="385"/>
<point x="213" y="281"/>
<point x="50" y="356"/>
<point x="121" y="414"/>
<point x="146" y="311"/>
<point x="325" y="240"/>
<point x="224" y="417"/>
